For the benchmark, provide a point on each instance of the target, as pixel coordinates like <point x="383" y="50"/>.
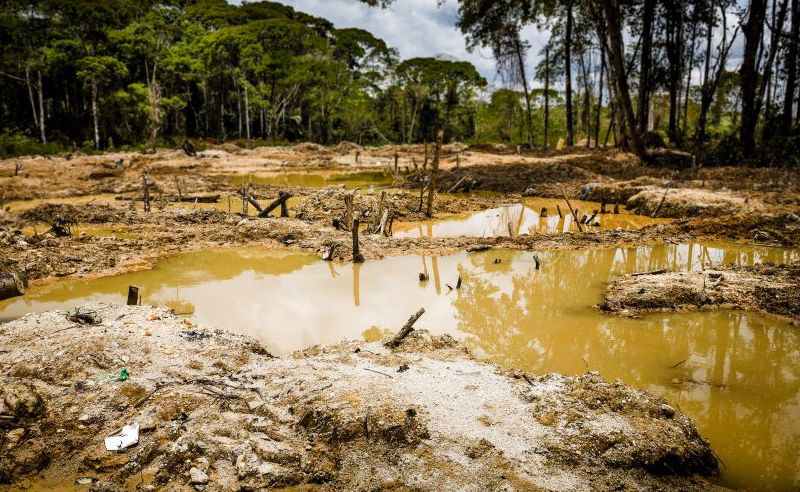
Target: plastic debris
<point x="123" y="438"/>
<point x="123" y="375"/>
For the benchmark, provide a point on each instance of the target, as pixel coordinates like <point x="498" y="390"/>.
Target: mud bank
<point x="216" y="411"/>
<point x="774" y="289"/>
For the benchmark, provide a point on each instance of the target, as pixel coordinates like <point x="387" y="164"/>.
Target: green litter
<point x="123" y="375"/>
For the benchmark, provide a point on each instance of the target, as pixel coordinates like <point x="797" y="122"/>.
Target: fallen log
<point x="11" y="285"/>
<point x="405" y="330"/>
<point x="184" y="198"/>
<point x="574" y="214"/>
<point x="282" y="197"/>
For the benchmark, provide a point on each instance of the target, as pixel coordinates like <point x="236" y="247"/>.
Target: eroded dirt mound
<point x="89" y="213"/>
<point x="765" y="287"/>
<point x="533" y="179"/>
<point x="685" y="202"/>
<point x="215" y="410"/>
<point x="619" y="191"/>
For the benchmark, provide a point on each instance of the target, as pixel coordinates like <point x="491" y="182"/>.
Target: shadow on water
<point x="736" y="374"/>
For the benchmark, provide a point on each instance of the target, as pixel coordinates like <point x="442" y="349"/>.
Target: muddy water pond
<point x="524" y="218"/>
<point x="736" y="374"/>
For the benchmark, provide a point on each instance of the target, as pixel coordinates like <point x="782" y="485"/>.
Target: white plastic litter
<point x="123" y="438"/>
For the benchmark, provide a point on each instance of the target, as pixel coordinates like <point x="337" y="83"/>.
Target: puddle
<point x="361" y="179"/>
<point x="736" y="374"/>
<point x="523" y="218"/>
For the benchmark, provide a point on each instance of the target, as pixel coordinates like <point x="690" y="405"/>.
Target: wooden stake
<point x="146" y="194"/>
<point x="434" y="171"/>
<point x="405" y="330"/>
<point x="603" y="206"/>
<point x="282" y="197"/>
<point x="133" y="295"/>
<point x="574" y="214"/>
<point x="543" y="213"/>
<point x="357" y="257"/>
<point x="616" y="208"/>
<point x="396" y="159"/>
<point x="11" y="285"/>
<point x="560" y="215"/>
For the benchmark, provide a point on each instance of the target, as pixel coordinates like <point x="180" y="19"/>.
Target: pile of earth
<point x="215" y="410"/>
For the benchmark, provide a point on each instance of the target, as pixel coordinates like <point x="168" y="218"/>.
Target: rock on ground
<point x="215" y="406"/>
<point x="766" y="287"/>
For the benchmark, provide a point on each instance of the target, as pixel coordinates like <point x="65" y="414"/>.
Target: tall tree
<point x="753" y="31"/>
<point x="791" y="68"/>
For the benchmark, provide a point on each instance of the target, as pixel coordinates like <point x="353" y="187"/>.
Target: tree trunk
<point x="646" y="61"/>
<point x="546" y="95"/>
<point x="617" y="48"/>
<point x="791" y="68"/>
<point x="705" y="100"/>
<point x="766" y="76"/>
<point x="675" y="55"/>
<point x="529" y="119"/>
<point x="95" y="116"/>
<point x="434" y="172"/>
<point x="246" y="112"/>
<point x="689" y="67"/>
<point x="599" y="98"/>
<point x="30" y="96"/>
<point x="41" y="108"/>
<point x="753" y="30"/>
<point x="568" y="72"/>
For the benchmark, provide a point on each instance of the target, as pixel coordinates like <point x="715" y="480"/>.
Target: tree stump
<point x="11" y="285"/>
<point x="357" y="257"/>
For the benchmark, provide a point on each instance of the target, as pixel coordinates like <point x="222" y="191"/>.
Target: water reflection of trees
<point x="741" y="370"/>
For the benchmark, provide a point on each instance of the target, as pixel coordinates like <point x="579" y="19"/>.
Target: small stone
<point x="198" y="476"/>
<point x="666" y="411"/>
<point x="83" y="418"/>
<point x="793" y="218"/>
<point x="15" y="436"/>
<point x="84" y="481"/>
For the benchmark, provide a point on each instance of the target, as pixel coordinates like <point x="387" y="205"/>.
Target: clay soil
<point x="217" y="412"/>
<point x="768" y="288"/>
<point x="734" y="204"/>
<point x="216" y="409"/>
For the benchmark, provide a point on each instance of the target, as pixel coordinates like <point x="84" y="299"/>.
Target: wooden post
<point x="349" y="213"/>
<point x="358" y="155"/>
<point x="616" y="208"/>
<point x="560" y="215"/>
<point x="434" y="171"/>
<point x="425" y="162"/>
<point x="133" y="295"/>
<point x="396" y="158"/>
<point x="246" y="196"/>
<point x="458" y="160"/>
<point x="229" y="203"/>
<point x="421" y="194"/>
<point x="284" y="209"/>
<point x="11" y="285"/>
<point x="591" y="219"/>
<point x="357" y="257"/>
<point x="146" y="192"/>
<point x="245" y="202"/>
<point x="602" y="203"/>
<point x="543" y="213"/>
<point x="574" y="214"/>
<point x="282" y="197"/>
<point x="406" y="329"/>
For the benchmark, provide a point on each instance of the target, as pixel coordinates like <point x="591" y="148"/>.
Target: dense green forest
<point x="102" y="74"/>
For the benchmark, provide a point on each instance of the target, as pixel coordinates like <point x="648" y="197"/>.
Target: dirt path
<point x="215" y="410"/>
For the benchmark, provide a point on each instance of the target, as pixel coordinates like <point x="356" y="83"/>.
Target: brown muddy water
<point x="736" y="374"/>
<point x="523" y="218"/>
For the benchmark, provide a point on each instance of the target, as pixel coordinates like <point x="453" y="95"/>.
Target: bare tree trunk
<point x="689" y="77"/>
<point x="568" y="72"/>
<point x="766" y="75"/>
<point x="675" y="55"/>
<point x="246" y="112"/>
<point x="617" y="48"/>
<point x="646" y="61"/>
<point x="41" y="109"/>
<point x="753" y="30"/>
<point x="95" y="116"/>
<point x="599" y="98"/>
<point x="434" y="172"/>
<point x="30" y="95"/>
<point x="523" y="76"/>
<point x="546" y="95"/>
<point x="791" y="68"/>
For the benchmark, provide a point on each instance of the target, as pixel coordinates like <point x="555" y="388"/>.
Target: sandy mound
<point x="619" y="191"/>
<point x="215" y="410"/>
<point x="685" y="202"/>
<point x="775" y="289"/>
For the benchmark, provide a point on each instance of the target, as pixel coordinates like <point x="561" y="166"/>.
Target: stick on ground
<point x="405" y="330"/>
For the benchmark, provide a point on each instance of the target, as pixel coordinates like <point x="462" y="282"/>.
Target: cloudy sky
<point x="414" y="27"/>
<point x="422" y="28"/>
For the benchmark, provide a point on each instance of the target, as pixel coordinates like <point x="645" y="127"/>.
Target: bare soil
<point x="708" y="204"/>
<point x="769" y="288"/>
<point x="217" y="411"/>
